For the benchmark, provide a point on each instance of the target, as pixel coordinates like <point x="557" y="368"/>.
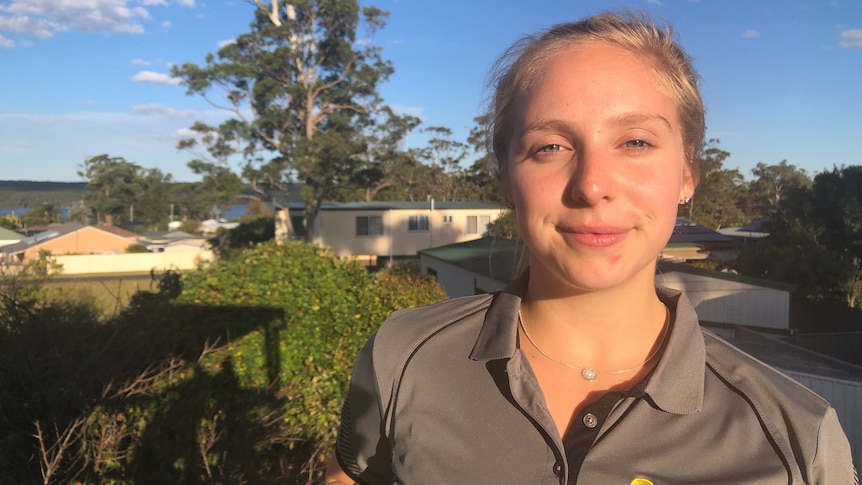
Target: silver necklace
<point x="587" y="372"/>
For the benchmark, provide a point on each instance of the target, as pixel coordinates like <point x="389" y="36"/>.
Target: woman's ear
<point x="689" y="176"/>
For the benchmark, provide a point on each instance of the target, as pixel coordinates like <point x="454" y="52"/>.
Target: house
<point x="8" y="237"/>
<point x="159" y="241"/>
<point x="380" y="232"/>
<point x="69" y="238"/>
<point x="751" y="231"/>
<point x="691" y="241"/>
<point x="750" y="313"/>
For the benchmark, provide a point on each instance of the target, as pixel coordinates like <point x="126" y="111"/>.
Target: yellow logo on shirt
<point x="641" y="481"/>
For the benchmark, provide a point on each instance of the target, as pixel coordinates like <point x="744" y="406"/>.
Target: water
<point x="231" y="213"/>
<point x="64" y="212"/>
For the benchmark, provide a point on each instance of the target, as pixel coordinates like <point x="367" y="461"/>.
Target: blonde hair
<point x="521" y="64"/>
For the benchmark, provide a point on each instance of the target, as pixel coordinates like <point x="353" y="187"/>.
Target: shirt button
<point x="558" y="469"/>
<point x="590" y="420"/>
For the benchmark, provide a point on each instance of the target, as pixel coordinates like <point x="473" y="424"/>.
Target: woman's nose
<point x="592" y="180"/>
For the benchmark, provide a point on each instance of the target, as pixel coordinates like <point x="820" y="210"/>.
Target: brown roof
<point x="118" y="231"/>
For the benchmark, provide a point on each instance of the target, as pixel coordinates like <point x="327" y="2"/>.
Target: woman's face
<point x="596" y="168"/>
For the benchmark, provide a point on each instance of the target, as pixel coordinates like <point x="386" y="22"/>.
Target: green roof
<point x="493" y="257"/>
<point x="7" y="235"/>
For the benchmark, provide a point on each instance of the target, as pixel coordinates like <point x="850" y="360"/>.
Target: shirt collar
<point x="676" y="383"/>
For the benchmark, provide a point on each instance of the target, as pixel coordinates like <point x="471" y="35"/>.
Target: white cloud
<point x="655" y="2"/>
<point x="162" y="110"/>
<point x="155" y="78"/>
<point x="750" y="34"/>
<point x="31" y="26"/>
<point x="140" y="62"/>
<point x="416" y="111"/>
<point x="43" y="18"/>
<point x="7" y="43"/>
<point x="166" y="24"/>
<point x="223" y="43"/>
<point x="851" y="38"/>
<point x="187" y="3"/>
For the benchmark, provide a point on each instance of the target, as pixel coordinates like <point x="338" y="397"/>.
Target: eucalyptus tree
<point x="481" y="176"/>
<point x="111" y="186"/>
<point x="298" y="90"/>
<point x="719" y="198"/>
<point x="772" y="183"/>
<point x="387" y="165"/>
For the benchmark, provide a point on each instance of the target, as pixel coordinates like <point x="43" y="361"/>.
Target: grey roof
<point x="154" y="236"/>
<point x="686" y="231"/>
<point x="724" y="275"/>
<point x="793" y="358"/>
<point x="41" y="237"/>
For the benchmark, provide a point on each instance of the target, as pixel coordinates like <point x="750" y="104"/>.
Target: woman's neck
<point x="608" y="328"/>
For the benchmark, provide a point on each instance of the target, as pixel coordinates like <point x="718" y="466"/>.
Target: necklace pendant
<point x="589" y="374"/>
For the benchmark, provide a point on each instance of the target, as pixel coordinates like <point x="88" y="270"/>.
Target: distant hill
<point x="23" y="194"/>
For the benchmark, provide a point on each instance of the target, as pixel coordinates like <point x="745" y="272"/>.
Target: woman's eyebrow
<point x="545" y="125"/>
<point x="630" y="119"/>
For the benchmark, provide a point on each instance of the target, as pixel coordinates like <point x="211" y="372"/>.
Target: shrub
<point x="137" y="248"/>
<point x="232" y="374"/>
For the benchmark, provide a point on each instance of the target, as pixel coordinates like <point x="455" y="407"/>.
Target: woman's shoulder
<point x="413" y="325"/>
<point x="764" y="386"/>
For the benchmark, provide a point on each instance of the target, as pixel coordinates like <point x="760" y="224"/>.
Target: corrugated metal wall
<point x="846" y="398"/>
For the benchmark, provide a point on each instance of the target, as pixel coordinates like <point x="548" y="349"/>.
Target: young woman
<point x="582" y="370"/>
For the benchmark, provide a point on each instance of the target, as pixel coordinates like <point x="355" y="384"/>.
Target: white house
<point x="386" y="231"/>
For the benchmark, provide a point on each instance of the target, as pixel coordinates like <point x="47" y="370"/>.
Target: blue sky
<point x="782" y="79"/>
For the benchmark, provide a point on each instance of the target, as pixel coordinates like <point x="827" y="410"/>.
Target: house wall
<point x="456" y="281"/>
<point x="846" y="398"/>
<point x="87" y="240"/>
<point x="724" y="301"/>
<point x="132" y="262"/>
<point x="337" y="229"/>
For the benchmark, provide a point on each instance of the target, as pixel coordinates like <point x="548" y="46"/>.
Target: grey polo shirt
<point x="443" y="395"/>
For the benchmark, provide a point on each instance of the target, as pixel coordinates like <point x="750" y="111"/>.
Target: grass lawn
<point x="110" y="296"/>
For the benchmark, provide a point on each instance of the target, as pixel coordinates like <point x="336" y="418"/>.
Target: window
<point x="417" y="224"/>
<point x="447" y="219"/>
<point x="478" y="224"/>
<point x="369" y="225"/>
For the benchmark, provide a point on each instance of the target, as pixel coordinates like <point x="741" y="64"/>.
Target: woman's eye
<point x="550" y="148"/>
<point x="636" y="144"/>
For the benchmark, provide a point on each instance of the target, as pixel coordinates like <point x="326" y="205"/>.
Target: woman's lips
<point x="595" y="236"/>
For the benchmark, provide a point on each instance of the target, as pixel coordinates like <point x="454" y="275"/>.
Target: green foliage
<point x="720" y="198"/>
<point x="11" y="221"/>
<point x="44" y="214"/>
<point x="506" y="226"/>
<point x="233" y="374"/>
<point x="311" y="83"/>
<point x="137" y="248"/>
<point x="228" y="244"/>
<point x="815" y="238"/>
<point x="21" y="293"/>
